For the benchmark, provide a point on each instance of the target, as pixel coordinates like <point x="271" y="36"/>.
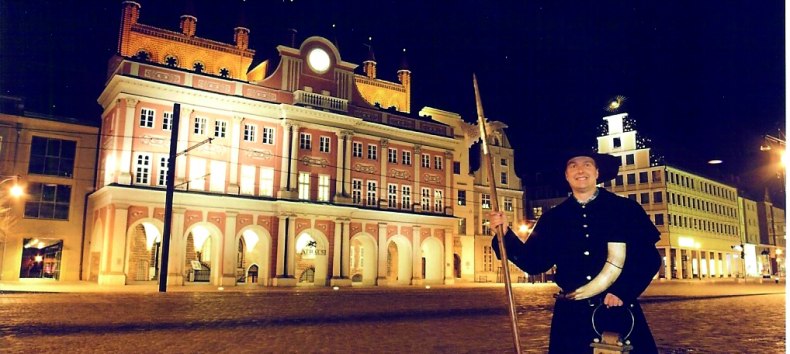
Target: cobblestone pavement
<point x="685" y="317"/>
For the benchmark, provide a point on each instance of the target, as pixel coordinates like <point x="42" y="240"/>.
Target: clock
<point x="318" y="60"/>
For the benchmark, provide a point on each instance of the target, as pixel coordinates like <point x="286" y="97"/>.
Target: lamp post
<point x="6" y="219"/>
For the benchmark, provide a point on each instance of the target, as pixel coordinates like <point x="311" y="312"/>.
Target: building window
<point x="658" y="197"/>
<point x="407" y="158"/>
<point x="503" y="178"/>
<point x="304" y="185"/>
<point x="644" y="198"/>
<point x="631" y="179"/>
<point x="392" y="155"/>
<point x="537" y="212"/>
<point x="438" y="201"/>
<point x="41" y="258"/>
<point x="48" y="201"/>
<point x="197" y="174"/>
<point x="405" y="197"/>
<point x="224" y="72"/>
<point x="266" y="187"/>
<point x="462" y="226"/>
<point x="643" y="177"/>
<point x="488" y="259"/>
<point x="217" y="176"/>
<point x="426" y="199"/>
<point x="220" y="128"/>
<point x="167" y="121"/>
<point x="616" y="143"/>
<point x="656" y="176"/>
<point x="618" y="181"/>
<point x="250" y="132"/>
<point x="426" y="160"/>
<point x="171" y="61"/>
<point x="373" y="152"/>
<point x="461" y="197"/>
<point x="392" y="195"/>
<point x="503" y="162"/>
<point x="200" y="125"/>
<point x="632" y="196"/>
<point x="456" y="167"/>
<point x="53" y="157"/>
<point x="162" y="176"/>
<point x="629" y="159"/>
<point x="356" y="191"/>
<point x="147" y="118"/>
<point x="247" y="181"/>
<point x="659" y="219"/>
<point x="372" y="194"/>
<point x="305" y="141"/>
<point x="268" y="136"/>
<point x="437" y="162"/>
<point x="323" y="188"/>
<point x="508" y="204"/>
<point x="142" y="169"/>
<point x="486" y="226"/>
<point x="485" y="201"/>
<point x="356" y="149"/>
<point x="323" y="144"/>
<point x="198" y="67"/>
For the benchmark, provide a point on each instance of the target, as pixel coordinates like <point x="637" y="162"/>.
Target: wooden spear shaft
<point x="500" y="230"/>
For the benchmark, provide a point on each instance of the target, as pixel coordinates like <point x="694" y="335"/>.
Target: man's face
<point x="581" y="173"/>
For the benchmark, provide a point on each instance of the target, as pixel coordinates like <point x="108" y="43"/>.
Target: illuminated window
<point x="250" y="131"/>
<point x="405" y="196"/>
<point x="373" y="152"/>
<point x="438" y="200"/>
<point x="147" y="118"/>
<point x="486" y="226"/>
<point x="392" y="195"/>
<point x="197" y="174"/>
<point x="323" y="188"/>
<point x="407" y="158"/>
<point x="392" y="155"/>
<point x="461" y="197"/>
<point x="220" y="128"/>
<point x="426" y="199"/>
<point x="47" y="201"/>
<point x="507" y="205"/>
<point x="488" y="259"/>
<point x="268" y="136"/>
<point x="247" y="182"/>
<point x="142" y="168"/>
<point x="162" y="179"/>
<point x="485" y="201"/>
<point x="537" y="212"/>
<point x="305" y="141"/>
<point x="304" y="185"/>
<point x="217" y="176"/>
<point x="323" y="144"/>
<point x="372" y="194"/>
<point x="266" y="187"/>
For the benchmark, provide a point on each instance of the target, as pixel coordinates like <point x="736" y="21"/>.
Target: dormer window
<point x="171" y="61"/>
<point x="198" y="67"/>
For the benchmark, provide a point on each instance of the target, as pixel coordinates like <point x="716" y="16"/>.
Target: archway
<point x="144" y="252"/>
<point x="362" y="260"/>
<point x="433" y="270"/>
<point x="257" y="251"/>
<point x="311" y="258"/>
<point x="199" y="255"/>
<point x="399" y="265"/>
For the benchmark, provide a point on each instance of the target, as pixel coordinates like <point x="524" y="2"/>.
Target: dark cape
<point x="574" y="237"/>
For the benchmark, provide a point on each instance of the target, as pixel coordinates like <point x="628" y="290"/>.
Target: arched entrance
<point x="144" y="253"/>
<point x="199" y="256"/>
<point x="399" y="265"/>
<point x="433" y="264"/>
<point x="311" y="259"/>
<point x="362" y="259"/>
<point x="257" y="251"/>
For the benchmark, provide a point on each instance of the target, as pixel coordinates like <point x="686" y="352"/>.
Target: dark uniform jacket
<point x="574" y="237"/>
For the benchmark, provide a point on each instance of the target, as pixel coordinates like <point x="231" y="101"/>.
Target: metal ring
<point x="633" y="321"/>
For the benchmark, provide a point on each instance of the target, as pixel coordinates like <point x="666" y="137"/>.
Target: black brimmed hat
<point x="608" y="165"/>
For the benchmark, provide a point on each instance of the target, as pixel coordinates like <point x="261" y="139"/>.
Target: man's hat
<point x="608" y="165"/>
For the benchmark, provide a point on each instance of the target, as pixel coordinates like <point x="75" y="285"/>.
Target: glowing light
<point x="778" y="251"/>
<point x="715" y="162"/>
<point x="40" y="245"/>
<point x="17" y="191"/>
<point x="199" y="236"/>
<point x="221" y="288"/>
<point x="686" y="242"/>
<point x="152" y="235"/>
<point x="251" y="239"/>
<point x="427" y="286"/>
<point x="523" y="228"/>
<point x="615" y="104"/>
<point x="39" y="258"/>
<point x="783" y="158"/>
<point x="335" y="288"/>
<point x="318" y="60"/>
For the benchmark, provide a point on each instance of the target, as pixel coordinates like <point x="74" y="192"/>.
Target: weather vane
<point x="615" y="103"/>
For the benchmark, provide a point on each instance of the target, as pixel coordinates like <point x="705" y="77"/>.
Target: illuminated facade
<point x="41" y="231"/>
<point x="303" y="181"/>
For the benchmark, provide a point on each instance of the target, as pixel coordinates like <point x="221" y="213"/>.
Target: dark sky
<point x="703" y="79"/>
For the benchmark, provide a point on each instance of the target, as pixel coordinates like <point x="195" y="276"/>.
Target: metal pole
<point x="171" y="179"/>
<point x="500" y="232"/>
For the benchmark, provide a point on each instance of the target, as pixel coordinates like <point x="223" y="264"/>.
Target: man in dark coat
<point x="582" y="236"/>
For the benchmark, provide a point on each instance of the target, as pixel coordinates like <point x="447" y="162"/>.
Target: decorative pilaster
<point x="448" y="183"/>
<point x="175" y="266"/>
<point x="127" y="133"/>
<point x="288" y="174"/>
<point x="340" y="254"/>
<point x="382" y="257"/>
<point x="285" y="251"/>
<point x="230" y="247"/>
<point x="449" y="277"/>
<point x="235" y="138"/>
<point x="417" y="193"/>
<point x="416" y="256"/>
<point x="114" y="249"/>
<point x="185" y="121"/>
<point x="383" y="189"/>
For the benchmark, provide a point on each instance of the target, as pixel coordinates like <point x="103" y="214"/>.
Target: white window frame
<point x="304" y="185"/>
<point x="162" y="171"/>
<point x="392" y="155"/>
<point x="267" y="136"/>
<point x="142" y="168"/>
<point x="437" y="162"/>
<point x="405" y="197"/>
<point x="503" y="178"/>
<point x="250" y="132"/>
<point x="438" y="200"/>
<point x="247" y="180"/>
<point x="371" y="194"/>
<point x="407" y="158"/>
<point x="507" y="204"/>
<point x="305" y="141"/>
<point x="323" y="188"/>
<point x="200" y="126"/>
<point x="426" y="161"/>
<point x="266" y="185"/>
<point x="324" y="143"/>
<point x="220" y="128"/>
<point x="392" y="195"/>
<point x="356" y="149"/>
<point x="147" y="117"/>
<point x="356" y="191"/>
<point x="373" y="152"/>
<point x="167" y="121"/>
<point x="425" y="198"/>
<point x="485" y="201"/>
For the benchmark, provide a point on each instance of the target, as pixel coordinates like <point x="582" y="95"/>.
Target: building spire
<point x="369" y="65"/>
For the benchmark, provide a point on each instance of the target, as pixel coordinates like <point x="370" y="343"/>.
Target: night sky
<point x="703" y="79"/>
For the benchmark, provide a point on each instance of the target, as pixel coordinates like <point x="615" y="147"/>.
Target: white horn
<point x="611" y="270"/>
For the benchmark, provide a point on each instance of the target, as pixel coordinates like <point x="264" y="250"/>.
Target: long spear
<point x="500" y="231"/>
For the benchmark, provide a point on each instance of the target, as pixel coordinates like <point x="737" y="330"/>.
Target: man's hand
<point x="497" y="218"/>
<point x="611" y="300"/>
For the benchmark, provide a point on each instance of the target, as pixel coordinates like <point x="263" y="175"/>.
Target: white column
<point x="416" y="255"/>
<point x="281" y="230"/>
<point x="177" y="254"/>
<point x="294" y="159"/>
<point x="127" y="134"/>
<point x="235" y="138"/>
<point x="337" y="250"/>
<point x="115" y="249"/>
<point x="230" y="247"/>
<point x="669" y="262"/>
<point x="345" y="262"/>
<point x="291" y="249"/>
<point x="383" y="188"/>
<point x="417" y="193"/>
<point x="285" y="252"/>
<point x="449" y="277"/>
<point x="448" y="183"/>
<point x="339" y="170"/>
<point x="382" y="258"/>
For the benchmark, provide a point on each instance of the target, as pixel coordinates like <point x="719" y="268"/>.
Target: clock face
<point x="318" y="60"/>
